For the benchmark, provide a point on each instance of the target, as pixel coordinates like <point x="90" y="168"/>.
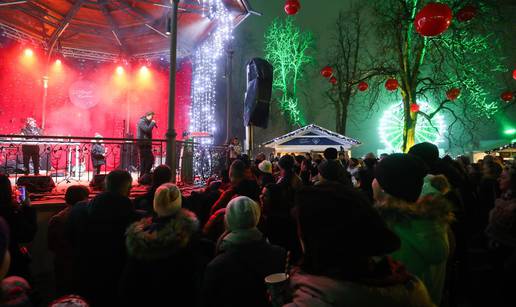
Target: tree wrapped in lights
<point x="288" y="48"/>
<point x="466" y="56"/>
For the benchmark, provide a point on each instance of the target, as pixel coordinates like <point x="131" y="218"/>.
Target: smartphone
<point x="22" y="194"/>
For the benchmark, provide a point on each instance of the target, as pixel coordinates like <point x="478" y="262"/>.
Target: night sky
<point x="318" y="17"/>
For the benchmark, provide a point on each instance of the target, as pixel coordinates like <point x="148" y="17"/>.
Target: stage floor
<point x="56" y="197"/>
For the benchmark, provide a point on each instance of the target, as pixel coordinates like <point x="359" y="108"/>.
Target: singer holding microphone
<point x="145" y="126"/>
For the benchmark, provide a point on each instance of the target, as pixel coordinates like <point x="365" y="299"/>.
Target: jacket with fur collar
<point x="157" y="238"/>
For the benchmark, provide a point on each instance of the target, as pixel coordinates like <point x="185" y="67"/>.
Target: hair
<point x="6" y="191"/>
<point x="492" y="169"/>
<point x="116" y="180"/>
<point x="330" y="153"/>
<point x="286" y="163"/>
<point x="76" y="193"/>
<point x="248" y="188"/>
<point x="277" y="206"/>
<point x="237" y="170"/>
<point x="162" y="174"/>
<point x="246" y="160"/>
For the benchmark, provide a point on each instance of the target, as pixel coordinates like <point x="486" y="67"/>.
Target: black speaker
<point x="258" y="94"/>
<point x="36" y="184"/>
<point x="98" y="182"/>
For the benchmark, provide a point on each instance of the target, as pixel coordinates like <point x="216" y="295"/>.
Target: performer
<point x="145" y="126"/>
<point x="235" y="150"/>
<point x="31" y="151"/>
<point x="98" y="151"/>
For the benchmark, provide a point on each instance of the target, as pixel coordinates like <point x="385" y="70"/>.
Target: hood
<point x="150" y="239"/>
<point x="433" y="207"/>
<point x="320" y="291"/>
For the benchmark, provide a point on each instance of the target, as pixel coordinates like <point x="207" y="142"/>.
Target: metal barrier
<point x="70" y="158"/>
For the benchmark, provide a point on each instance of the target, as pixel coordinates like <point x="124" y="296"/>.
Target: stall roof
<point x="122" y="27"/>
<point x="311" y="138"/>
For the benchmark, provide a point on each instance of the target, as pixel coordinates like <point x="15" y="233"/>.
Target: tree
<point x="288" y="49"/>
<point x="466" y="56"/>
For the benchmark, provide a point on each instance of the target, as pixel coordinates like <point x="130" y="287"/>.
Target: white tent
<point x="311" y="138"/>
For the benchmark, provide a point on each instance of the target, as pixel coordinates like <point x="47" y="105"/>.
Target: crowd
<point x="393" y="231"/>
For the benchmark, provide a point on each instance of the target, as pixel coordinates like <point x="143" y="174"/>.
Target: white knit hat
<point x="265" y="167"/>
<point x="242" y="213"/>
<point x="167" y="199"/>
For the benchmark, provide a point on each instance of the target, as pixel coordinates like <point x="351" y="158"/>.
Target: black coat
<point x="144" y="132"/>
<point x="165" y="262"/>
<point x="97" y="234"/>
<point x="235" y="278"/>
<point x="98" y="152"/>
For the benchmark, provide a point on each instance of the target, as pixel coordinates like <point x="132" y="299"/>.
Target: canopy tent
<point x="507" y="151"/>
<point x="311" y="138"/>
<point x="108" y="30"/>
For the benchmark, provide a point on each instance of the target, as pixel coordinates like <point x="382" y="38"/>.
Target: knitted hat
<point x="265" y="167"/>
<point x="330" y="170"/>
<point x="401" y="176"/>
<point x="167" y="199"/>
<point x="242" y="213"/>
<point x="427" y="152"/>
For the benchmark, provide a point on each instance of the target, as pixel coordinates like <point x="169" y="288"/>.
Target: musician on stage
<point x="98" y="152"/>
<point x="31" y="151"/>
<point x="145" y="126"/>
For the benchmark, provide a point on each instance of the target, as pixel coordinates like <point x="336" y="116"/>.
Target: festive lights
<point x="204" y="77"/>
<point x="391" y="127"/>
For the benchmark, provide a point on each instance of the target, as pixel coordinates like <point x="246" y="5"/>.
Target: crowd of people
<point x="391" y="231"/>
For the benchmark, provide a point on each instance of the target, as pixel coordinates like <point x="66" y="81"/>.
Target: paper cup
<point x="278" y="289"/>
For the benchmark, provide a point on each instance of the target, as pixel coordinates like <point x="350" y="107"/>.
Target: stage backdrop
<point x="85" y="97"/>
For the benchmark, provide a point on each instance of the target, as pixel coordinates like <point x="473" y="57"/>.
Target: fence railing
<point x="69" y="158"/>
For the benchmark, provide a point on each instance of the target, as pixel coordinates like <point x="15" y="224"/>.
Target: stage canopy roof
<point x="105" y="30"/>
<point x="311" y="138"/>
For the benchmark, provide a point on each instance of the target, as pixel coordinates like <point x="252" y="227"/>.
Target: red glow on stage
<point x="28" y="52"/>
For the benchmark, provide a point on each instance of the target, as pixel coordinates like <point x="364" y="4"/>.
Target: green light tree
<point x="288" y="49"/>
<point x="466" y="56"/>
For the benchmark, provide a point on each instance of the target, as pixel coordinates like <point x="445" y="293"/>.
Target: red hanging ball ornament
<point x="333" y="80"/>
<point x="433" y="19"/>
<point x="514" y="74"/>
<point x="362" y="86"/>
<point x="391" y="84"/>
<point x="327" y="71"/>
<point x="466" y="13"/>
<point x="414" y="108"/>
<point x="292" y="7"/>
<point x="507" y="96"/>
<point x="453" y="93"/>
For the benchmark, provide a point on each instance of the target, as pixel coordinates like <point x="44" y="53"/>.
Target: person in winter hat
<point x="344" y="242"/>
<point x="265" y="173"/>
<point x="164" y="254"/>
<point x="420" y="220"/>
<point x="235" y="277"/>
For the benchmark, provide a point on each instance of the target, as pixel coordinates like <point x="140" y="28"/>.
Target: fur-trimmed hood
<point x="433" y="207"/>
<point x="157" y="238"/>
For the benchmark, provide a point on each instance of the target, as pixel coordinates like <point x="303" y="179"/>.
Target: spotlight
<point x="58" y="62"/>
<point x="144" y="70"/>
<point x="28" y="52"/>
<point x="119" y="70"/>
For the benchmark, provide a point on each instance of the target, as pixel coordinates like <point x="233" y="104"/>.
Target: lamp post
<point x="171" y="132"/>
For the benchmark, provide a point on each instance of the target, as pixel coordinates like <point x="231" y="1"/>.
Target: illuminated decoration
<point x="433" y="19"/>
<point x="287" y="49"/>
<point x="466" y="13"/>
<point x="119" y="70"/>
<point x="414" y="108"/>
<point x="333" y="80"/>
<point x="507" y="96"/>
<point x="510" y="131"/>
<point x="363" y="86"/>
<point x="453" y="94"/>
<point x="391" y="84"/>
<point x="391" y="127"/>
<point x="514" y="74"/>
<point x="28" y="52"/>
<point x="292" y="7"/>
<point x="204" y="78"/>
<point x="327" y="71"/>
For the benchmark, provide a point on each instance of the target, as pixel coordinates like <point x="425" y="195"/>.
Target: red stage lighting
<point x="144" y="70"/>
<point x="28" y="52"/>
<point x="58" y="62"/>
<point x="119" y="70"/>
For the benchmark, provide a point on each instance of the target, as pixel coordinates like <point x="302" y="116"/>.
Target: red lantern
<point x="292" y="7"/>
<point x="391" y="84"/>
<point x="414" y="108"/>
<point x="466" y="13"/>
<point x="514" y="74"/>
<point x="362" y="86"/>
<point x="433" y="19"/>
<point x="327" y="71"/>
<point x="453" y="94"/>
<point x="507" y="96"/>
<point x="333" y="80"/>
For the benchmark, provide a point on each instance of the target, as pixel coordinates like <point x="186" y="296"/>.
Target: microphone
<point x="155" y="125"/>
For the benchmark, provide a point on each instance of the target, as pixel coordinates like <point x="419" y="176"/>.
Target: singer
<point x="145" y="126"/>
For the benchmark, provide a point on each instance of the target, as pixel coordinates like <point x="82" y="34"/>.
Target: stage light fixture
<point x="119" y="70"/>
<point x="144" y="70"/>
<point x="58" y="62"/>
<point x="28" y="52"/>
